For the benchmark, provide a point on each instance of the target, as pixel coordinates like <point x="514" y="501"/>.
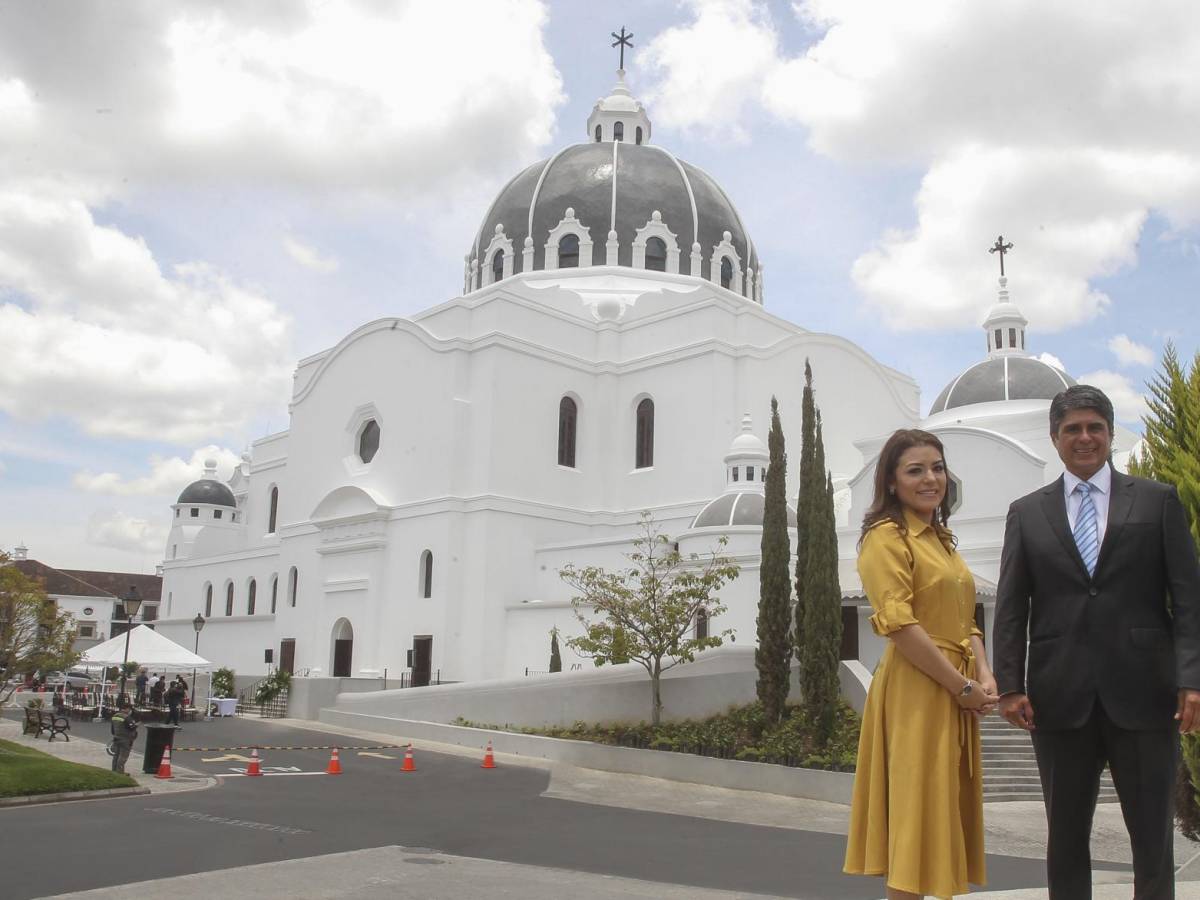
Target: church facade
<point x="611" y="354"/>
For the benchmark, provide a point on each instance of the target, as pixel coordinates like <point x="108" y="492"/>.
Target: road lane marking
<point x="222" y="820"/>
<point x="241" y="773"/>
<point x="376" y="755"/>
<point x="228" y="757"/>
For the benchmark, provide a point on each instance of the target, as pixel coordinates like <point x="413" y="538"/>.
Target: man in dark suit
<point x="1099" y="572"/>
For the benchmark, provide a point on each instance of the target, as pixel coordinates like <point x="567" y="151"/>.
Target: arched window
<point x="726" y="272"/>
<point x="293" y="585"/>
<point x="567" y="411"/>
<point x="1012" y="338"/>
<point x="644" y="448"/>
<point x="656" y="254"/>
<point x="274" y="592"/>
<point x="368" y="441"/>
<point x="251" y="595"/>
<point x="701" y="624"/>
<point x="274" y="514"/>
<point x="229" y="599"/>
<point x="497" y="265"/>
<point x="999" y="339"/>
<point x="208" y="601"/>
<point x="568" y="251"/>
<point x="619" y="131"/>
<point x="427" y="574"/>
<point x="597" y="134"/>
<point x="637" y="135"/>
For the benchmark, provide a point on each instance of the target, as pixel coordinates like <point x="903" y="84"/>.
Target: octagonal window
<point x="368" y="441"/>
<point x="954" y="491"/>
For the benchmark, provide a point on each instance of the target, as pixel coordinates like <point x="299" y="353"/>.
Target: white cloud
<point x="309" y="257"/>
<point x="115" y="529"/>
<point x="691" y="91"/>
<point x="1058" y="127"/>
<point x="3" y="468"/>
<point x="1128" y="400"/>
<point x="1051" y="360"/>
<point x="167" y="475"/>
<point x="108" y="339"/>
<point x="1130" y="352"/>
<point x="395" y="97"/>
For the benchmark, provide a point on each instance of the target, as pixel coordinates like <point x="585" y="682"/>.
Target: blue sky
<point x="192" y="199"/>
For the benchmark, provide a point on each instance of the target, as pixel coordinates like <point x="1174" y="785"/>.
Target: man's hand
<point x="1188" y="712"/>
<point x="1018" y="710"/>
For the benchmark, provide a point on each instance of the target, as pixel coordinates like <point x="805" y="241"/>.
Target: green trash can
<point x="158" y="738"/>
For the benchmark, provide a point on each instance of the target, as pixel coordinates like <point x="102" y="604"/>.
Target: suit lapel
<point x="1054" y="505"/>
<point x="1119" y="505"/>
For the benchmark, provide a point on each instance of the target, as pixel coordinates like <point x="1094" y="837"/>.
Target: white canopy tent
<point x="150" y="650"/>
<point x="147" y="648"/>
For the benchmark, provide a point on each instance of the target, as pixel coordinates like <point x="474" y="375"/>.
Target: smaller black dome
<point x="745" y="508"/>
<point x="206" y="490"/>
<point x="1003" y="378"/>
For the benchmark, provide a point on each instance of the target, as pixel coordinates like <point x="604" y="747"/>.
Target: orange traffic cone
<point x="255" y="768"/>
<point x="164" y="767"/>
<point x="335" y="764"/>
<point x="489" y="761"/>
<point x="409" y="765"/>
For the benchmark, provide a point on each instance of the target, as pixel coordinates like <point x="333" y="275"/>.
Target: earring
<point x="892" y="491"/>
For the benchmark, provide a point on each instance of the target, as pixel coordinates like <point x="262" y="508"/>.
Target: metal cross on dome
<point x="623" y="41"/>
<point x="1001" y="248"/>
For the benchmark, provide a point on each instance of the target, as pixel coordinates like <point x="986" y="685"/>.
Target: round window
<point x="87" y="610"/>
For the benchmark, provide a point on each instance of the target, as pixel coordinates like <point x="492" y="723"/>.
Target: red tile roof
<point x="84" y="583"/>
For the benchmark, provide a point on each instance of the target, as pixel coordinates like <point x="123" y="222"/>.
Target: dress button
<point x="1092" y="592"/>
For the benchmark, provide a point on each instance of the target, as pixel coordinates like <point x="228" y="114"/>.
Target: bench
<point x="48" y="721"/>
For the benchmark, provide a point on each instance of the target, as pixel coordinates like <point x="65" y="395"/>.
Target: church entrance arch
<point x="342" y="648"/>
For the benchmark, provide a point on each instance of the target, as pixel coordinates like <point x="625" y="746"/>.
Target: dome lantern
<point x="619" y="117"/>
<point x="743" y="502"/>
<point x="1005" y="326"/>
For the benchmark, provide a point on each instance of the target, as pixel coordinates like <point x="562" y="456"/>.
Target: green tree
<point x="773" y="655"/>
<point x="555" y="656"/>
<point x="820" y="594"/>
<point x="1171" y="453"/>
<point x="647" y="612"/>
<point x="810" y="477"/>
<point x="35" y="635"/>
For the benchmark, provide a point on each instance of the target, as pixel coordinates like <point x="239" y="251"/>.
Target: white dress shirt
<point x="1101" y="485"/>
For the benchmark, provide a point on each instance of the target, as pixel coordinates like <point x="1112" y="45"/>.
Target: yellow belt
<point x="967" y="735"/>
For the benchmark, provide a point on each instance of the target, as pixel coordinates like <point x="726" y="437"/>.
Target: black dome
<point x="208" y="491"/>
<point x="648" y="178"/>
<point x="1003" y="378"/>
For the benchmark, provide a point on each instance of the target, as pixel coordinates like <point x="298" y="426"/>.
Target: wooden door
<point x="287" y="655"/>
<point x="422" y="660"/>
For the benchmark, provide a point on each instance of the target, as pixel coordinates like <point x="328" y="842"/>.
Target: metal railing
<point x="276" y="708"/>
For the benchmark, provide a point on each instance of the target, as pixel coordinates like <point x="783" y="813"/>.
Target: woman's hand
<point x="979" y="700"/>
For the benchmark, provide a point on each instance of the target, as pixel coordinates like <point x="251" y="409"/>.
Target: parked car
<point x="74" y="678"/>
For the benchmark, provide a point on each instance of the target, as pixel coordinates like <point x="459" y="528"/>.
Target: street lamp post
<point x="131" y="602"/>
<point x="198" y="624"/>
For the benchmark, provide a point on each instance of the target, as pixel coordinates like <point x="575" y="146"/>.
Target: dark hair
<point x="1080" y="396"/>
<point x="886" y="506"/>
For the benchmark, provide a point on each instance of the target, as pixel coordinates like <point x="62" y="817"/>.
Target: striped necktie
<point x="1087" y="536"/>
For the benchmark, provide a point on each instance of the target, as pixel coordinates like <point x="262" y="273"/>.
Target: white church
<point x="611" y="353"/>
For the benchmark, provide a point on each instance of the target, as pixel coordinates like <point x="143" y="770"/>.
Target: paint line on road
<point x="222" y="820"/>
<point x="267" y="747"/>
<point x="263" y="775"/>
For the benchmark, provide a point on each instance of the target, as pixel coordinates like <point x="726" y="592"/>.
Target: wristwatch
<point x="967" y="688"/>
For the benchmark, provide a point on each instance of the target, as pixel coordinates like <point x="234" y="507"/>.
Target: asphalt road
<point x="449" y="804"/>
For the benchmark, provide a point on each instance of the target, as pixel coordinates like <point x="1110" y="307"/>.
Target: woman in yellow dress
<point x="917" y="813"/>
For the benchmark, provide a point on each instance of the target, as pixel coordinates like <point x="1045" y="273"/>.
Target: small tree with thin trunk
<point x="555" y="656"/>
<point x="35" y="635"/>
<point x="773" y="655"/>
<point x="647" y="612"/>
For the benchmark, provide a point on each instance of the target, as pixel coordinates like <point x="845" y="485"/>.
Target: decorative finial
<point x="1001" y="248"/>
<point x="623" y="41"/>
<point x="747" y="423"/>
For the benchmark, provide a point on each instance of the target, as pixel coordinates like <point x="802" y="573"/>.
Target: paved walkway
<point x="1016" y="829"/>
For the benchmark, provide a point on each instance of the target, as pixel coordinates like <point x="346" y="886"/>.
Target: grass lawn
<point x="25" y="771"/>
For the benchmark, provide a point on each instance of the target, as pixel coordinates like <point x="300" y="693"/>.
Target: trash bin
<point x="158" y="738"/>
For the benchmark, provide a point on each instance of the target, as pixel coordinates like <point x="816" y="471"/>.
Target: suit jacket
<point x="1129" y="635"/>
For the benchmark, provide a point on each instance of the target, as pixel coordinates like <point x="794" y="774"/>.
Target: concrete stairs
<point x="1010" y="768"/>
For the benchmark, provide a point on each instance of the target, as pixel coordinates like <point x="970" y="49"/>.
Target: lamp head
<point x="198" y="623"/>
<point x="132" y="602"/>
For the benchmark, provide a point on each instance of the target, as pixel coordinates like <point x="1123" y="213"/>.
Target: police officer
<point x="124" y="732"/>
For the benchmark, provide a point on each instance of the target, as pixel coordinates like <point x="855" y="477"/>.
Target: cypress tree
<point x="1172" y="454"/>
<point x="773" y="655"/>
<point x="808" y="479"/>
<point x="822" y="637"/>
<point x="555" y="656"/>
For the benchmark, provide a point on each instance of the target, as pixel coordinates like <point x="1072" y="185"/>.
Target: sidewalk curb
<point x="103" y="794"/>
